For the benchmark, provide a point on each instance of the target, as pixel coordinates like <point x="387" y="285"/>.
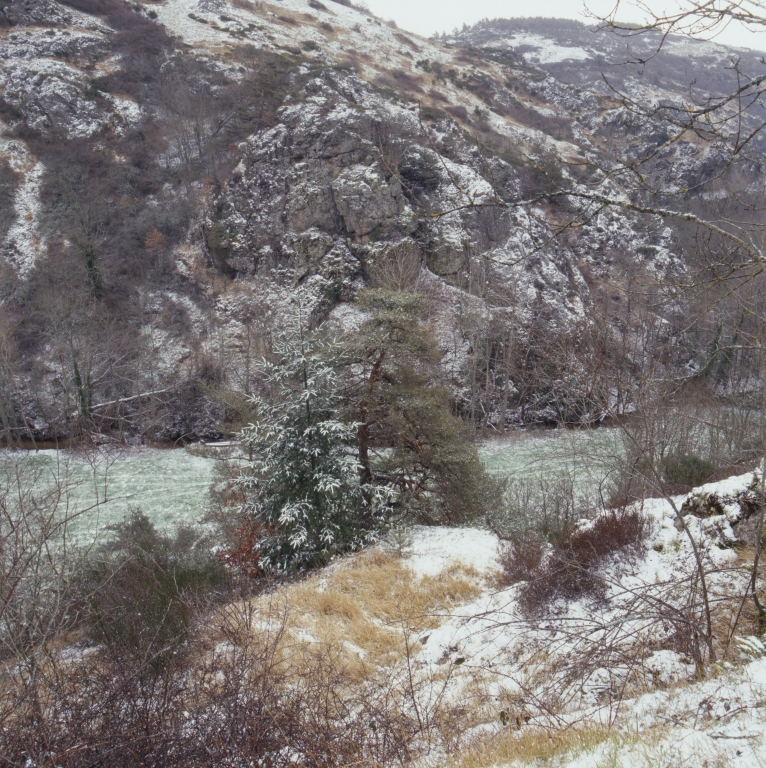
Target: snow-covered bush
<point x="304" y="488"/>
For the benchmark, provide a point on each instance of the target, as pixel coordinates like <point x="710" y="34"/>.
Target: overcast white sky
<point x="428" y="16"/>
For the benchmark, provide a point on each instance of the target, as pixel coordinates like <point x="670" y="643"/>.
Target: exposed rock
<point x="348" y="182"/>
<point x="46" y="13"/>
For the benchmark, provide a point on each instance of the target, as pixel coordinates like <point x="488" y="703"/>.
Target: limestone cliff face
<point x="342" y="182"/>
<point x="175" y="176"/>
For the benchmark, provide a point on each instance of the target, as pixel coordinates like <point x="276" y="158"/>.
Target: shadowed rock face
<point x="377" y="154"/>
<point x="42" y="12"/>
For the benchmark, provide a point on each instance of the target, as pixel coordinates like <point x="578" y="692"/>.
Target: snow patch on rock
<point x="23" y="243"/>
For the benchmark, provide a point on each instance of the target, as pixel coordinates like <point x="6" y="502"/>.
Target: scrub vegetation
<point x="352" y="272"/>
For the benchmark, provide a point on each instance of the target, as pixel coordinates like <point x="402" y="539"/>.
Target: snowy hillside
<point x="307" y="149"/>
<point x="590" y="681"/>
<point x="456" y="338"/>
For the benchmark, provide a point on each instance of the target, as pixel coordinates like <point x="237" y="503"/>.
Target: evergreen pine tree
<point x="306" y="495"/>
<point x="408" y="437"/>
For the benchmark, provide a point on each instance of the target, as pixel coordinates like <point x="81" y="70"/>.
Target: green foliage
<point x="409" y="438"/>
<point x="377" y="234"/>
<point x="689" y="470"/>
<point x="144" y="589"/>
<point x="306" y="495"/>
<point x="399" y="540"/>
<point x="334" y="458"/>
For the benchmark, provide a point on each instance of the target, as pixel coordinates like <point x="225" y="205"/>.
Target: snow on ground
<point x="129" y="111"/>
<point x="545" y="50"/>
<point x="290" y="23"/>
<point x="717" y="722"/>
<point x="23" y="241"/>
<point x="340" y="34"/>
<point x="610" y="664"/>
<point x="435" y="549"/>
<point x="47" y="44"/>
<point x="175" y="15"/>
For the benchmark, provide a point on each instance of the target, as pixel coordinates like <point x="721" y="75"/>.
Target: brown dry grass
<point x="535" y="747"/>
<point x="367" y="606"/>
<point x="532" y="745"/>
<point x="732" y="615"/>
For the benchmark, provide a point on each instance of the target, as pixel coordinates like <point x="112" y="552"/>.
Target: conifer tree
<point x="408" y="437"/>
<point x="306" y="494"/>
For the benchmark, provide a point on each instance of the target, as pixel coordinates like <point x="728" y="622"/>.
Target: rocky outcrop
<point x="376" y="166"/>
<point x="49" y="13"/>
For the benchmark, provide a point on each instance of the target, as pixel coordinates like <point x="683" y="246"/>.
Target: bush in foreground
<point x="568" y="568"/>
<point x="144" y="589"/>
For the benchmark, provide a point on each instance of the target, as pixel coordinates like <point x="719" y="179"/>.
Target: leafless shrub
<point x="569" y="569"/>
<point x="145" y="589"/>
<point x="189" y="682"/>
<point x="406" y="41"/>
<point x="543" y="508"/>
<point x="246" y="694"/>
<point x="398" y="270"/>
<point x="520" y="558"/>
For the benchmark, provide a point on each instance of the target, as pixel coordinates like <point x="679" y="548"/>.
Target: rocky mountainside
<point x="175" y="177"/>
<point x="600" y="59"/>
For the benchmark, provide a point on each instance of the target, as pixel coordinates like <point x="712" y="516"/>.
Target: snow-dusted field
<point x="607" y="666"/>
<point x="596" y="680"/>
